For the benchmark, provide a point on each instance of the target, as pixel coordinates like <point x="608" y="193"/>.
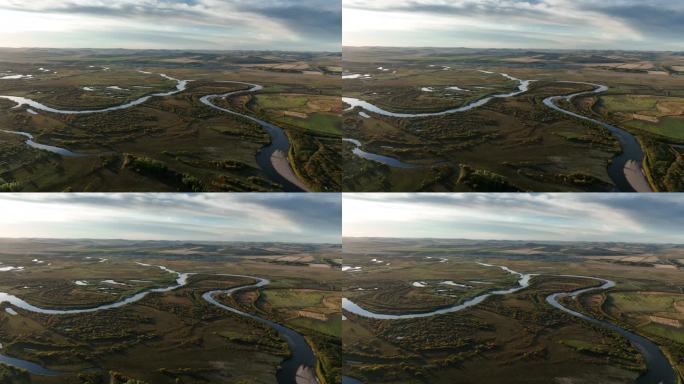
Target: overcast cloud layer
<point x="311" y="25"/>
<point x="647" y="218"/>
<point x="214" y="217"/>
<point x="557" y="24"/>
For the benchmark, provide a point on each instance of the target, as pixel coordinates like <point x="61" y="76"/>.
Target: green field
<point x="287" y="298"/>
<point x="634" y="302"/>
<point x="319" y="114"/>
<point x="630" y="103"/>
<point x="317" y="122"/>
<point x="667" y="126"/>
<point x="331" y="327"/>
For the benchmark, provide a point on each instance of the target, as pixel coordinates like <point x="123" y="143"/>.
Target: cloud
<point x="274" y="24"/>
<point x="657" y="18"/>
<point x="595" y="217"/>
<point x="462" y="8"/>
<point x="312" y="17"/>
<point x="248" y="216"/>
<point x="628" y="24"/>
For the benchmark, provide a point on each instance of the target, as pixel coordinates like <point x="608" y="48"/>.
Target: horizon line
<point x="518" y="240"/>
<point x="160" y="240"/>
<point x="509" y="49"/>
<point x="178" y="49"/>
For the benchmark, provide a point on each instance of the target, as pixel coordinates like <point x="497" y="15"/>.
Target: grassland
<point x="656" y="314"/>
<point x="511" y="144"/>
<point x="516" y="338"/>
<point x="197" y="147"/>
<point x="175" y="337"/>
<point x="313" y="311"/>
<point x="308" y="112"/>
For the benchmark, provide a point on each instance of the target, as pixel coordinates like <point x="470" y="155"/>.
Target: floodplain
<point x="473" y="311"/>
<point x="123" y="311"/>
<point x="464" y="119"/>
<point x="150" y="120"/>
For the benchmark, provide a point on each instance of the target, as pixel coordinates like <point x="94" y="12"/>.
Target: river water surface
<point x="302" y="354"/>
<point x="279" y="140"/>
<point x="391" y="161"/>
<point x="523" y="282"/>
<point x="181" y="85"/>
<point x="631" y="150"/>
<point x="29" y="141"/>
<point x="658" y="368"/>
<point x="523" y="86"/>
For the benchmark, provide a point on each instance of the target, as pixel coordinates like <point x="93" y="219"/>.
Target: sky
<point x="261" y="217"/>
<point x="301" y="25"/>
<point x="552" y="24"/>
<point x="639" y="218"/>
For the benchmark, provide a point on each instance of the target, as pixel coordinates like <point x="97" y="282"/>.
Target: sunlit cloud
<point x="313" y="25"/>
<point x="577" y="217"/>
<point x="568" y="24"/>
<point x="216" y="217"/>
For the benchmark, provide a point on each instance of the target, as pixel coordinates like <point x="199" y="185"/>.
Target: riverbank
<point x="282" y="165"/>
<point x="636" y="177"/>
<point x="624" y="170"/>
<point x="523" y="282"/>
<point x="276" y="170"/>
<point x="658" y="367"/>
<point x="49" y="148"/>
<point x="302" y="358"/>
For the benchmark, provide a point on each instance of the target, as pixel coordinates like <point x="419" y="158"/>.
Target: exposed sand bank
<point x="282" y="166"/>
<point x="636" y="178"/>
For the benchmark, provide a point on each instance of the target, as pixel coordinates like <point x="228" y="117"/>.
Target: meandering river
<point x="631" y="154"/>
<point x="523" y="282"/>
<point x="272" y="159"/>
<point x="391" y="161"/>
<point x="271" y="155"/>
<point x="625" y="169"/>
<point x="29" y="141"/>
<point x="658" y="368"/>
<point x="302" y="357"/>
<point x="301" y="362"/>
<point x="181" y="85"/>
<point x="523" y="86"/>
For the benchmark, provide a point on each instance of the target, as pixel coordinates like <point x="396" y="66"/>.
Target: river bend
<point x="631" y="156"/>
<point x="523" y="282"/>
<point x="302" y="358"/>
<point x="658" y="368"/>
<point x="272" y="158"/>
